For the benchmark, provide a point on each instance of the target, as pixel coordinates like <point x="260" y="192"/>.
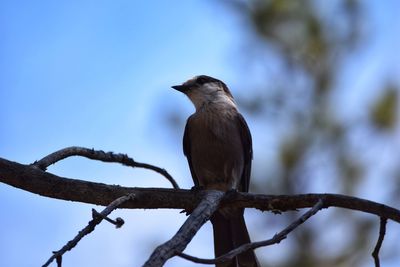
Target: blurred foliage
<point x="301" y="50"/>
<point x="312" y="41"/>
<point x="290" y="153"/>
<point x="384" y="113"/>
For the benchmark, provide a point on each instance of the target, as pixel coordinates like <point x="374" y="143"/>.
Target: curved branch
<point x="274" y="240"/>
<point x="32" y="179"/>
<point x="102" y="156"/>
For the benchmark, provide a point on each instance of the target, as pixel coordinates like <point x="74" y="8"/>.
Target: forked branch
<point x="97" y="219"/>
<point x="274" y="240"/>
<point x="209" y="203"/>
<point x="32" y="178"/>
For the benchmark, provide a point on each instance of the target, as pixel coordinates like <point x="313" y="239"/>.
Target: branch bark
<point x="34" y="180"/>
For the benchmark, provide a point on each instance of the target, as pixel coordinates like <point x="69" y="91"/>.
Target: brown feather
<point x="218" y="146"/>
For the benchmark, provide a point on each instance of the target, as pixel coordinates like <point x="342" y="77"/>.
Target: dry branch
<point x="102" y="156"/>
<point x="274" y="240"/>
<point x="178" y="243"/>
<point x="32" y="179"/>
<point x="89" y="228"/>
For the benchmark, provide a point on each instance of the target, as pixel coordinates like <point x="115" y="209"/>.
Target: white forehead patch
<point x="191" y="81"/>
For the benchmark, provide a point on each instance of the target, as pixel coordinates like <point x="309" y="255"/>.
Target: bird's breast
<point x="216" y="150"/>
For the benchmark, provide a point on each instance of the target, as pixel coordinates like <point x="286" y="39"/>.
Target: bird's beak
<point x="181" y="88"/>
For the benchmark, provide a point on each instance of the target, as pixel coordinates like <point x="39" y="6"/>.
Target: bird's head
<point x="203" y="90"/>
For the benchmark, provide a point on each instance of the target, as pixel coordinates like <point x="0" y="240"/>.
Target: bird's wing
<point x="187" y="152"/>
<point x="245" y="137"/>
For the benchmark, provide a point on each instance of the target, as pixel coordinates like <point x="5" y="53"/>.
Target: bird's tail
<point x="230" y="232"/>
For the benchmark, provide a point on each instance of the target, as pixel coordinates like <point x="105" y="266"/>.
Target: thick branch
<point x="274" y="240"/>
<point x="178" y="243"/>
<point x="43" y="183"/>
<point x="102" y="156"/>
<point x="34" y="180"/>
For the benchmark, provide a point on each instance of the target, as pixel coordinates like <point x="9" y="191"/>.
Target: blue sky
<point x="98" y="74"/>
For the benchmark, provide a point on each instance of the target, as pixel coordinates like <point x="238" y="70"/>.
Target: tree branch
<point x="32" y="179"/>
<point x="102" y="156"/>
<point x="89" y="228"/>
<point x="275" y="240"/>
<point x="197" y="218"/>
<point x="382" y="231"/>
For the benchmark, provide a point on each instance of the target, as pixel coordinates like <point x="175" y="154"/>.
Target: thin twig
<point x="102" y="156"/>
<point x="88" y="229"/>
<point x="201" y="214"/>
<point x="118" y="222"/>
<point x="275" y="240"/>
<point x="382" y="231"/>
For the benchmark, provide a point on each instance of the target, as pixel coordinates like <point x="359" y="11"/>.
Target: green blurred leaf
<point x="291" y="151"/>
<point x="384" y="112"/>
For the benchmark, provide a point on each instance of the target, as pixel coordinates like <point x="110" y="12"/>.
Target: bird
<point x="218" y="146"/>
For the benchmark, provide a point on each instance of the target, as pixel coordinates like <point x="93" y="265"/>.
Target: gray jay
<point x="218" y="146"/>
